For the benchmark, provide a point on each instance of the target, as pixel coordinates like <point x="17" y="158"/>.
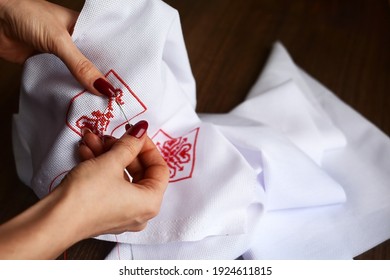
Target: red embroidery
<point x="99" y="121"/>
<point x="105" y="116"/>
<point x="118" y="247"/>
<point x="102" y="115"/>
<point x="179" y="153"/>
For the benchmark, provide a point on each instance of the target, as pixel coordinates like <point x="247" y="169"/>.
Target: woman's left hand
<point x="28" y="27"/>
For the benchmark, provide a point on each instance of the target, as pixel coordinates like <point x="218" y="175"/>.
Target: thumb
<point x="127" y="148"/>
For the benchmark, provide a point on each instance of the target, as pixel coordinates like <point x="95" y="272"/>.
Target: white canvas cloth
<point x="139" y="44"/>
<point x="270" y="179"/>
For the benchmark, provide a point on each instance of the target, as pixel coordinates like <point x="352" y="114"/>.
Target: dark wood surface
<point x="344" y="44"/>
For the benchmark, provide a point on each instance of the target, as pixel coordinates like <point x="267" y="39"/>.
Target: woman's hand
<point x="94" y="198"/>
<point x="107" y="201"/>
<point x="28" y="27"/>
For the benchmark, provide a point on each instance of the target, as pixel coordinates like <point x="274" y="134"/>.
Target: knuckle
<point x="57" y="42"/>
<point x="152" y="210"/>
<point x="83" y="67"/>
<point x="148" y="212"/>
<point x="165" y="169"/>
<point x="139" y="227"/>
<point x="127" y="150"/>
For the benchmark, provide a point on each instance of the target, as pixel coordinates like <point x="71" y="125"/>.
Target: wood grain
<point x="343" y="44"/>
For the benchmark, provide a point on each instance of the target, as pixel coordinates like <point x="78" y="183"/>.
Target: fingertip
<point x="128" y="126"/>
<point x="138" y="130"/>
<point x="93" y="142"/>
<point x="108" y="142"/>
<point x="85" y="153"/>
<point x="104" y="87"/>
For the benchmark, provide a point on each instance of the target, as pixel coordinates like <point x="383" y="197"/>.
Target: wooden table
<point x="343" y="44"/>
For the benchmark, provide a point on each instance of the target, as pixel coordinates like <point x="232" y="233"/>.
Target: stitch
<point x="49" y="191"/>
<point x="98" y="121"/>
<point x="175" y="153"/>
<point x="98" y="124"/>
<point x="55" y="179"/>
<point x="179" y="153"/>
<point x="118" y="126"/>
<point x="117" y="247"/>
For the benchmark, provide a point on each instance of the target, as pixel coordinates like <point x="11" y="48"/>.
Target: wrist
<point x="74" y="206"/>
<point x="43" y="231"/>
<point x="62" y="218"/>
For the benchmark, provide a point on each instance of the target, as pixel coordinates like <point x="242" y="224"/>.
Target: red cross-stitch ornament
<point x="179" y="153"/>
<point x="100" y="114"/>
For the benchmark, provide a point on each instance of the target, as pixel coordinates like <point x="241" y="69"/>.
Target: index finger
<point x="81" y="67"/>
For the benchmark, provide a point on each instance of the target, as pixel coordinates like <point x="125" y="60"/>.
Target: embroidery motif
<point x="102" y="115"/>
<point x="99" y="121"/>
<point x="179" y="153"/>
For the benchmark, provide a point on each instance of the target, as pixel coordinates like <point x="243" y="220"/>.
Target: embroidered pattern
<point x="102" y="115"/>
<point x="179" y="153"/>
<point x="99" y="121"/>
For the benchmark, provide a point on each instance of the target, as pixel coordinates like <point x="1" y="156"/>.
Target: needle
<point x="120" y="107"/>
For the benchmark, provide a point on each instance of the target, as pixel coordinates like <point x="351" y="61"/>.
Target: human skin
<point x="70" y="213"/>
<point x="28" y="27"/>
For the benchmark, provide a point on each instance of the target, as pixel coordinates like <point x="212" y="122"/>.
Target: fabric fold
<point x="340" y="231"/>
<point x="140" y="47"/>
<point x="290" y="173"/>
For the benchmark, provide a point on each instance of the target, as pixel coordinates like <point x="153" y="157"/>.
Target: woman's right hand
<point x="105" y="200"/>
<point x="94" y="198"/>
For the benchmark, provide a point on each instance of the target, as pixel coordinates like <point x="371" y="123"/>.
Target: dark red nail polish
<point x="104" y="87"/>
<point x="106" y="138"/>
<point x="139" y="129"/>
<point x="81" y="142"/>
<point x="127" y="126"/>
<point x="85" y="131"/>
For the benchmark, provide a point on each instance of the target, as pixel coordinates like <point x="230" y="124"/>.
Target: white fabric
<point x="284" y="175"/>
<point x="139" y="45"/>
<point x="362" y="168"/>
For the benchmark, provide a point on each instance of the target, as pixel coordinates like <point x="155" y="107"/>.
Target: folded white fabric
<point x="270" y="179"/>
<point x="338" y="231"/>
<point x="362" y="168"/>
<point x="307" y="128"/>
<point x="139" y="45"/>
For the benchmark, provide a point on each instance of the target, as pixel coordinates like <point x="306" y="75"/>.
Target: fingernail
<point x="85" y="131"/>
<point x="81" y="142"/>
<point x="104" y="87"/>
<point x="127" y="126"/>
<point x="106" y="138"/>
<point x="139" y="129"/>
